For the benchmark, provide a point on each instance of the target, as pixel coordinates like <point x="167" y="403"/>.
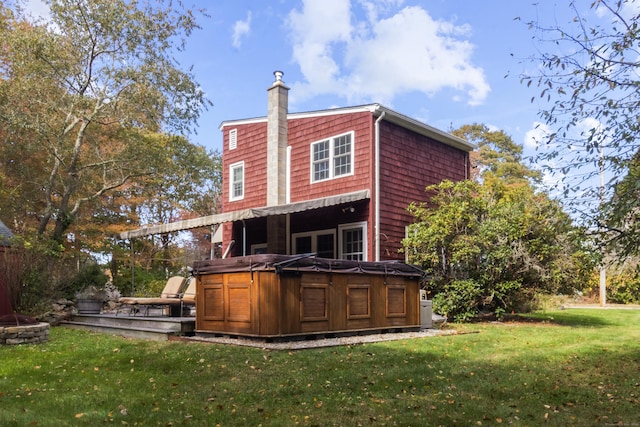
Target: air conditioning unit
<point x="426" y="311"/>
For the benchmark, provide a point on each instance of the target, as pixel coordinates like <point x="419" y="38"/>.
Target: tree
<point x="492" y="243"/>
<point x="82" y="97"/>
<point x="187" y="184"/>
<point x="491" y="247"/>
<point x="589" y="76"/>
<point x="496" y="153"/>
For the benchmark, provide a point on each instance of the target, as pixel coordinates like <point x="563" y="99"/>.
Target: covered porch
<point x="287" y="229"/>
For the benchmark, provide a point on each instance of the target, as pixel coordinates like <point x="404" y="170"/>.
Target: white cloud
<point x="316" y="30"/>
<point x="375" y="7"/>
<point x="385" y="53"/>
<point x="590" y="126"/>
<point x="537" y="135"/>
<point x="241" y="29"/>
<point x="627" y="10"/>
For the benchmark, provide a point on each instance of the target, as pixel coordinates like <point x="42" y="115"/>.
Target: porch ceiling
<point x="247" y="214"/>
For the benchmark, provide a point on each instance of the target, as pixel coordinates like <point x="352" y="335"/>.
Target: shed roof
<point x="247" y="214"/>
<point x="5" y="235"/>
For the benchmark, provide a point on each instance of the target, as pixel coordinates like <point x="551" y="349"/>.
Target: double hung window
<point x="236" y="181"/>
<point x="332" y="157"/>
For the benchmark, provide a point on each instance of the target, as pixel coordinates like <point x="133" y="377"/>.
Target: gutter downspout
<point x="377" y="184"/>
<point x="244" y="238"/>
<point x="229" y="247"/>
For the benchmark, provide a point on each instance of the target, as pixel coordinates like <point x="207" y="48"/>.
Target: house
<point x="335" y="182"/>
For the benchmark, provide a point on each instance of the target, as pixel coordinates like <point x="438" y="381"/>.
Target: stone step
<point x="155" y="328"/>
<point x="130" y="332"/>
<point x="170" y="324"/>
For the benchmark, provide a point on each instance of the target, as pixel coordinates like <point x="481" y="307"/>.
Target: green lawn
<point x="572" y="367"/>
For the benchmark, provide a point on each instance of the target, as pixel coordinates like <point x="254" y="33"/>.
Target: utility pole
<point x="603" y="271"/>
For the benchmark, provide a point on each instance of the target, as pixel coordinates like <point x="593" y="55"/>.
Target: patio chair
<point x="188" y="297"/>
<point x="171" y="294"/>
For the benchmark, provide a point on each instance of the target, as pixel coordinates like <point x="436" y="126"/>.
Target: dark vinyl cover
<point x="282" y="264"/>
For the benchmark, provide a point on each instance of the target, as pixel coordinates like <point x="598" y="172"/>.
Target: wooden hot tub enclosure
<point x="282" y="295"/>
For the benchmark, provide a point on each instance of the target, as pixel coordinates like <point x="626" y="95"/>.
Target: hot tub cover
<point x="283" y="264"/>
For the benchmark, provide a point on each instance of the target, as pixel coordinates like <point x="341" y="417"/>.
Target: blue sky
<point x="444" y="62"/>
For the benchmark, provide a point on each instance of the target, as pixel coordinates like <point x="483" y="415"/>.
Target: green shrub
<point x="147" y="283"/>
<point x="624" y="289"/>
<point x="91" y="275"/>
<point x="464" y="300"/>
<point x="42" y="274"/>
<point x="458" y="300"/>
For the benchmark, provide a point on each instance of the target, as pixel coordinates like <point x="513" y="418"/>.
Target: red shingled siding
<point x="408" y="163"/>
<point x="252" y="149"/>
<point x="304" y="131"/>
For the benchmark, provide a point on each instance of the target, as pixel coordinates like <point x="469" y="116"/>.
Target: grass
<point x="557" y="368"/>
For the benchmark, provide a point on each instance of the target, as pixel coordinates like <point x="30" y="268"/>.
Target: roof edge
<point x="422" y="128"/>
<point x="377" y="110"/>
<point x="301" y="115"/>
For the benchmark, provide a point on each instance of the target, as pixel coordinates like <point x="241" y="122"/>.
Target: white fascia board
<point x="239" y="122"/>
<point x="422" y="128"/>
<point x="375" y="109"/>
<point x="303" y="115"/>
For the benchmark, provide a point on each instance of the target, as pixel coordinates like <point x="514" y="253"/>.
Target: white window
<point x="353" y="241"/>
<point x="236" y="181"/>
<point x="332" y="157"/>
<point x="260" y="248"/>
<point x="233" y="139"/>
<point x="321" y="242"/>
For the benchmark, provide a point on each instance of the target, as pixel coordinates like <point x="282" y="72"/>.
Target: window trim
<point x="353" y="225"/>
<point x="258" y="248"/>
<point x="314" y="241"/>
<point x="232" y="182"/>
<point x="332" y="157"/>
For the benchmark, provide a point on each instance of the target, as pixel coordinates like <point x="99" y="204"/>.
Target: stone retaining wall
<point x="24" y="334"/>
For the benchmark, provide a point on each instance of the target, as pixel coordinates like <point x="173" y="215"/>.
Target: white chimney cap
<point x="278" y="75"/>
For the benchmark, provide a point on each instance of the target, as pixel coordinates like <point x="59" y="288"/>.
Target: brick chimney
<point x="277" y="128"/>
<point x="278" y="106"/>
